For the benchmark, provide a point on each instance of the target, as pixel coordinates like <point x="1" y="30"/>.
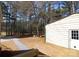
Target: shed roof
<point x="71" y="18"/>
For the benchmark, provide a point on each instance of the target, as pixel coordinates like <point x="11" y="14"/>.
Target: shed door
<point x="74" y="39"/>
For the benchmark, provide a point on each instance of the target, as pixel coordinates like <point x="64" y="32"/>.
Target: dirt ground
<point x="8" y="45"/>
<point x="47" y="48"/>
<point x="42" y="46"/>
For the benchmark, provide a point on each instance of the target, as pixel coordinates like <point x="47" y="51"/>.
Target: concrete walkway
<point x="4" y="40"/>
<point x="20" y="45"/>
<point x="17" y="42"/>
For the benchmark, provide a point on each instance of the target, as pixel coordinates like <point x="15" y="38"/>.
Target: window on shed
<point x="75" y="34"/>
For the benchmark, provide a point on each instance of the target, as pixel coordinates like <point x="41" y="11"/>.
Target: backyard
<point x="40" y="44"/>
<point x="22" y="27"/>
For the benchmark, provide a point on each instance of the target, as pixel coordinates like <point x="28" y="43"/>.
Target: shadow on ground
<point x="7" y="37"/>
<point x="10" y="37"/>
<point x="22" y="53"/>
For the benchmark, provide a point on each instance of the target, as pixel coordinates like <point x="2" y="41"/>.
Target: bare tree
<point x="0" y="17"/>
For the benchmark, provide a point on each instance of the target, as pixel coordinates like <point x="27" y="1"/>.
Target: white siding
<point x="58" y="32"/>
<point x="57" y="35"/>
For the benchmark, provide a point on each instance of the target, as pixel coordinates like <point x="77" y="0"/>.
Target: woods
<point x="30" y="17"/>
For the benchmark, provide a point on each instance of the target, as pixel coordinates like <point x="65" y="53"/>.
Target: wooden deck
<point x="42" y="46"/>
<point x="49" y="49"/>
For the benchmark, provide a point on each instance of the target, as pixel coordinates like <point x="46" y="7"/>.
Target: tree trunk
<point x="37" y="29"/>
<point x="72" y="7"/>
<point x="0" y="19"/>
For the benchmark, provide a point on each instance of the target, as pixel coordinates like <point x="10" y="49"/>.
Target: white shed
<point x="64" y="32"/>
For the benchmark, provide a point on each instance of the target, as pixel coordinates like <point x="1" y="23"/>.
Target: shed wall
<point x="58" y="33"/>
